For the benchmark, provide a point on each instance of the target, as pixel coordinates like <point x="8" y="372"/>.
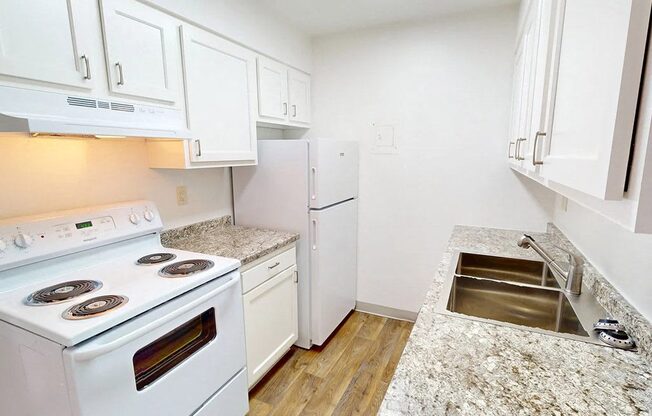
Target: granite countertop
<point x="220" y="237"/>
<point x="456" y="366"/>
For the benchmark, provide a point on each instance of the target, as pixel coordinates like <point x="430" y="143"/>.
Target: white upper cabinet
<point x="600" y="59"/>
<point x="272" y="90"/>
<point x="299" y="93"/>
<point x="530" y="91"/>
<point x="220" y="86"/>
<point x="140" y="46"/>
<point x="578" y="65"/>
<point x="41" y="41"/>
<point x="283" y="94"/>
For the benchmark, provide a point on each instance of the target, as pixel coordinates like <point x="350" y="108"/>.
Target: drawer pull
<point x="274" y="265"/>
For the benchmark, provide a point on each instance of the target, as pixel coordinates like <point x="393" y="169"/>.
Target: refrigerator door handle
<point x="314" y="234"/>
<point x="314" y="183"/>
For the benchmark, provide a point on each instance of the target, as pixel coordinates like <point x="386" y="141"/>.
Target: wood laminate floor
<point x="348" y="375"/>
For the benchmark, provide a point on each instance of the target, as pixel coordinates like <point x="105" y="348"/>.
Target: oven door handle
<point x="115" y="344"/>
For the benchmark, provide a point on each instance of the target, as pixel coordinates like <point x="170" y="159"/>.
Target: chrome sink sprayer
<point x="572" y="277"/>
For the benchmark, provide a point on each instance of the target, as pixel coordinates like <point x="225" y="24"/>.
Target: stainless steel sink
<point x="505" y="268"/>
<point x="517" y="293"/>
<point x="520" y="305"/>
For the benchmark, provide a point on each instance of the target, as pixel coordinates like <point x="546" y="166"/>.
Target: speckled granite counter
<point x="220" y="237"/>
<point x="456" y="366"/>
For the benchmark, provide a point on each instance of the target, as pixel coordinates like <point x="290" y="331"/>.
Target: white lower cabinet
<point x="270" y="313"/>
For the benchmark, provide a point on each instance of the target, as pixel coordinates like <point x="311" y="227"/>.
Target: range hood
<point x="49" y="113"/>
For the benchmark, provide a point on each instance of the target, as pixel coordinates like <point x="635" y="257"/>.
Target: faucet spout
<point x="572" y="277"/>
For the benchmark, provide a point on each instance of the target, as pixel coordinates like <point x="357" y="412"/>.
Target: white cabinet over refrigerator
<point x="283" y="95"/>
<point x="309" y="187"/>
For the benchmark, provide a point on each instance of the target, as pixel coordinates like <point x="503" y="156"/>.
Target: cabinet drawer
<point x="229" y="400"/>
<point x="267" y="269"/>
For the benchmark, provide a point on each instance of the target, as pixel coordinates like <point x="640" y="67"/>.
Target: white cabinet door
<point x="39" y="41"/>
<point x="220" y="85"/>
<point x="272" y="90"/>
<point x="522" y="88"/>
<point x="299" y="93"/>
<point x="140" y="46"/>
<point x="271" y="322"/>
<point x="598" y="76"/>
<point x="515" y="132"/>
<point x="530" y="119"/>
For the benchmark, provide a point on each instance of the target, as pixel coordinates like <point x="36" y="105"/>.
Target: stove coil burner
<point x="94" y="307"/>
<point x="185" y="268"/>
<point x="62" y="292"/>
<point x="156" y="258"/>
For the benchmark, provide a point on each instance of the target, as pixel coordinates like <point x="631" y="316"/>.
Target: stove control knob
<point x="23" y="240"/>
<point x="134" y="218"/>
<point x="149" y="215"/>
<point x="3" y="245"/>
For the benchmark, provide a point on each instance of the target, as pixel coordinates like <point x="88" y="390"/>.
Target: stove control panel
<point x="29" y="239"/>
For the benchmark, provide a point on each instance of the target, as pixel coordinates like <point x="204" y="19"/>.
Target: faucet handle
<point x="524" y="241"/>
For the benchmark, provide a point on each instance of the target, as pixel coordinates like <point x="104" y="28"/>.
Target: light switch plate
<point x="384" y="140"/>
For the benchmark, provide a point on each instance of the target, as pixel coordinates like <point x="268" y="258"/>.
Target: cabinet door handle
<point x="121" y="77"/>
<point x="285" y="109"/>
<point x="274" y="265"/>
<point x="509" y="150"/>
<point x="536" y="162"/>
<point x="87" y="66"/>
<point x="198" y="143"/>
<point x="517" y="156"/>
<point x="294" y="110"/>
<point x="314" y="234"/>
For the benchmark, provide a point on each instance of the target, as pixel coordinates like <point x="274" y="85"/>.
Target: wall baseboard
<point x="386" y="311"/>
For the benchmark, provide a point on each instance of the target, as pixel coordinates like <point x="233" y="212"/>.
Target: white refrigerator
<point x="309" y="187"/>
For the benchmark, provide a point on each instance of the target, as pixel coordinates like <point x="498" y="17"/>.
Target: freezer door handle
<point x="314" y="183"/>
<point x="314" y="234"/>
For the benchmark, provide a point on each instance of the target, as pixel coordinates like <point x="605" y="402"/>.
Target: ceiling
<point x="319" y="17"/>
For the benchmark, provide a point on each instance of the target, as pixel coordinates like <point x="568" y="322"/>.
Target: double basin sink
<point x="518" y="293"/>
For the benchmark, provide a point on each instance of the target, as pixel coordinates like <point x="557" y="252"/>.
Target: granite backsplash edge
<point x="175" y="234"/>
<point x="613" y="301"/>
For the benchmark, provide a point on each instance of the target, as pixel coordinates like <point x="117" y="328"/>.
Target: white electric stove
<point x="97" y="318"/>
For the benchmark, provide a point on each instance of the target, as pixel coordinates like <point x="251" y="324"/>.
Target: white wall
<point x="623" y="257"/>
<point x="445" y="86"/>
<point x="42" y="175"/>
<point x="248" y="22"/>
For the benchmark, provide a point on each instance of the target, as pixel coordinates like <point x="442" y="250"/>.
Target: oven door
<point x="167" y="361"/>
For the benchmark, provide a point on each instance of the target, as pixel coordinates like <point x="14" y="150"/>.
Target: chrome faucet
<point x="572" y="277"/>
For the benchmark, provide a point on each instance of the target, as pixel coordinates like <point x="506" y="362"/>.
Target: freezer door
<point x="333" y="267"/>
<point x="333" y="171"/>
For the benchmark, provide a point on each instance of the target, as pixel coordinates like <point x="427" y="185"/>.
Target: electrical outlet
<point x="182" y="195"/>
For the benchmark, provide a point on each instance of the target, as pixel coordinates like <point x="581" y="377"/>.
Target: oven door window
<point x="156" y="359"/>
